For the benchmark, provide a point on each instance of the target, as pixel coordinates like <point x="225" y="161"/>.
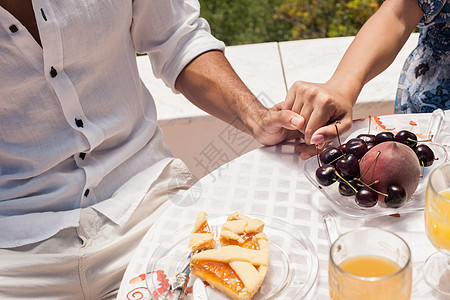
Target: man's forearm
<point x="211" y="84"/>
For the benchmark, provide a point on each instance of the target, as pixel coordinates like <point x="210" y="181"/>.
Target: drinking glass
<point x="437" y="224"/>
<point x="370" y="263"/>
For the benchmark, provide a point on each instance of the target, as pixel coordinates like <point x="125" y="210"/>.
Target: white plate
<point x="293" y="263"/>
<point x="347" y="205"/>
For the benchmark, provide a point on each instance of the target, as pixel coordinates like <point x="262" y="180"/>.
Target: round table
<point x="271" y="181"/>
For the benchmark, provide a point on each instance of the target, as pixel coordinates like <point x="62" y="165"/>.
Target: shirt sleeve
<point x="434" y="11"/>
<point x="172" y="34"/>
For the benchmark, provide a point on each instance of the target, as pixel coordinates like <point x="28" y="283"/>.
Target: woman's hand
<point x="321" y="106"/>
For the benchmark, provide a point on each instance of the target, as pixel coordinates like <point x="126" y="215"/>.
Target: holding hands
<point x="321" y="105"/>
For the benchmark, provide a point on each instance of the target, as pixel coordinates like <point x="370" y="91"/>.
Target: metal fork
<point x="181" y="279"/>
<point x="180" y="282"/>
<point x="215" y="230"/>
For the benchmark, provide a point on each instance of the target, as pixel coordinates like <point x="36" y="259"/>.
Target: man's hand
<point x="277" y="125"/>
<point x="210" y="83"/>
<point x="321" y="106"/>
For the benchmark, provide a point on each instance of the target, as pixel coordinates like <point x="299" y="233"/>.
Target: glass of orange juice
<point x="437" y="224"/>
<point x="370" y="263"/>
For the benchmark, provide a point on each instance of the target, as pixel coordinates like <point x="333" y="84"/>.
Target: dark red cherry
<point x="345" y="188"/>
<point x="370" y="146"/>
<point x="396" y="196"/>
<point x="343" y="148"/>
<point x="425" y="155"/>
<point x="329" y="155"/>
<point x="356" y="147"/>
<point x="348" y="166"/>
<point x="368" y="138"/>
<point x="406" y="137"/>
<point x="384" y="136"/>
<point x="325" y="175"/>
<point x="365" y="197"/>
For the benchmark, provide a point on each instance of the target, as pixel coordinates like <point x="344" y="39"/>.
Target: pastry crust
<point x="201" y="241"/>
<point x="233" y="253"/>
<point x="239" y="224"/>
<point x="201" y="238"/>
<point x="237" y="268"/>
<point x="200" y="221"/>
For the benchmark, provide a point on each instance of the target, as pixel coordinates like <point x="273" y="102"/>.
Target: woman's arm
<point x="374" y="48"/>
<point x="377" y="43"/>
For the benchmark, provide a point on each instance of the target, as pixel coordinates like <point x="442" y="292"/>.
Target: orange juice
<point x="369" y="266"/>
<point x="437" y="219"/>
<point x="363" y="285"/>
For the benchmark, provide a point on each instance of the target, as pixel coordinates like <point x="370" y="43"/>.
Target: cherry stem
<point x="368" y="186"/>
<point x="370" y="166"/>
<point x="337" y="132"/>
<point x="424" y="141"/>
<point x="317" y="155"/>
<point x="343" y="179"/>
<point x="370" y="121"/>
<point x="423" y="169"/>
<point x="375" y="182"/>
<point x="331" y="162"/>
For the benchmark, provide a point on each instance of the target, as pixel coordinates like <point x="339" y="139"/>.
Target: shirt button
<point x="53" y="72"/>
<point x="79" y="123"/>
<point x="86" y="192"/>
<point x="13" y="28"/>
<point x="82" y="155"/>
<point x="43" y="15"/>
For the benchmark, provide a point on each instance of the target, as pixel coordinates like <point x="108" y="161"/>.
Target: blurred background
<point x="238" y="22"/>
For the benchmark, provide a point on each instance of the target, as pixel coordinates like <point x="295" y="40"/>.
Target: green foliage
<point x="255" y="21"/>
<point x="326" y="18"/>
<point x="245" y="21"/>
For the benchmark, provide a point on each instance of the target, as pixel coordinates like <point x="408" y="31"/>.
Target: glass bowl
<point x="347" y="205"/>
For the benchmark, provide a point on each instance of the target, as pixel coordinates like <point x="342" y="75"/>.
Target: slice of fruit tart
<point x="201" y="238"/>
<point x="239" y="266"/>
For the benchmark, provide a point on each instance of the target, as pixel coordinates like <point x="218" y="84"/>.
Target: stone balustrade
<point x="268" y="69"/>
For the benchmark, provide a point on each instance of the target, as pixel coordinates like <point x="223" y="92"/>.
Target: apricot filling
<point x="237" y="268"/>
<point x="248" y="241"/>
<point x="221" y="273"/>
<point x="204" y="228"/>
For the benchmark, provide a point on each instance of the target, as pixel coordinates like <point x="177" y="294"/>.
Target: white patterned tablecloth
<point x="270" y="181"/>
